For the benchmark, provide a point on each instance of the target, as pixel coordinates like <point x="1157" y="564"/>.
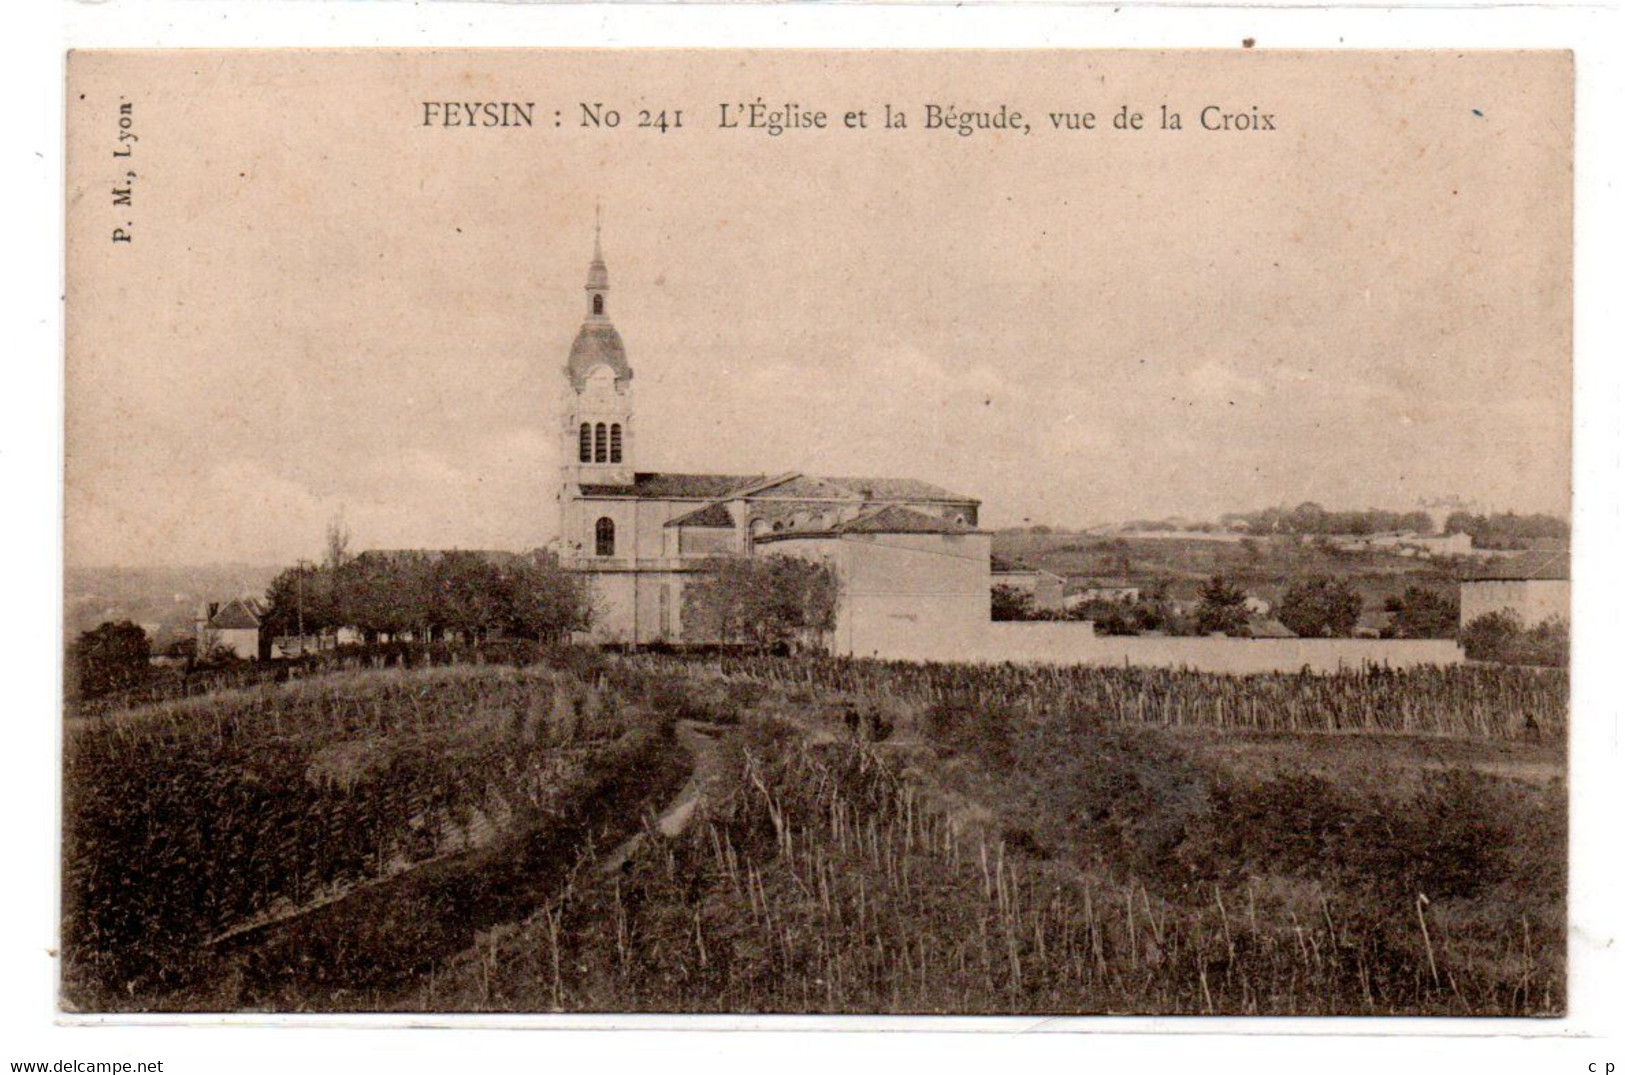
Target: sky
<point x="328" y="308"/>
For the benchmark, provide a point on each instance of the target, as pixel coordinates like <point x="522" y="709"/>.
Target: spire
<point x="597" y="343"/>
<point x="597" y="272"/>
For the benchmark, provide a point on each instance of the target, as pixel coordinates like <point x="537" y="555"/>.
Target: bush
<point x="1320" y="607"/>
<point x="1501" y="637"/>
<point x="1424" y="613"/>
<point x="113" y="657"/>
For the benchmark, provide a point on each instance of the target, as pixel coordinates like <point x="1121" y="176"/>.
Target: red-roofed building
<point x="912" y="564"/>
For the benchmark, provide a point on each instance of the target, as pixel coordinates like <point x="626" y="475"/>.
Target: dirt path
<point x="703" y="743"/>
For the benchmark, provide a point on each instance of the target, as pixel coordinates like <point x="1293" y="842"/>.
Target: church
<point x="912" y="566"/>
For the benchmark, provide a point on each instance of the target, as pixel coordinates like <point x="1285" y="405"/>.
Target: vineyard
<point x="1480" y="701"/>
<point x="191" y="822"/>
<point x="871" y="837"/>
<point x="831" y="879"/>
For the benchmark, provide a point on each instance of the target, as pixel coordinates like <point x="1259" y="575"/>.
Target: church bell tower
<point x="597" y="438"/>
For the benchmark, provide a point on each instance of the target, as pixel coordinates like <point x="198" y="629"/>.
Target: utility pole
<point x="299" y="604"/>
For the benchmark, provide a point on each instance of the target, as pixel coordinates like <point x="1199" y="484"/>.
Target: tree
<point x="1308" y="518"/>
<point x="769" y="600"/>
<point x="302" y="597"/>
<point x="1417" y="522"/>
<point x="545" y="602"/>
<point x="1502" y="636"/>
<point x="336" y="563"/>
<point x="467" y="595"/>
<point x="1424" y="613"/>
<point x="1222" y="609"/>
<point x="112" y="657"/>
<point x="1011" y="603"/>
<point x="1320" y="607"/>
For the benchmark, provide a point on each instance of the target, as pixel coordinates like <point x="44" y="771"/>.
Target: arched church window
<point x="604" y="537"/>
<point x="600" y="444"/>
<point x="598" y="304"/>
<point x="615" y="443"/>
<point x="586" y="442"/>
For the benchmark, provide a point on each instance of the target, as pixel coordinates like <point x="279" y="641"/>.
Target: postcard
<point x="818" y="532"/>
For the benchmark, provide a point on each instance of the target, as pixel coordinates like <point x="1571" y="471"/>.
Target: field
<point x="774" y="835"/>
<point x="1264" y="568"/>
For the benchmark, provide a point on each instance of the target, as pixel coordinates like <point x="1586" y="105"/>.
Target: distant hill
<point x="163" y="597"/>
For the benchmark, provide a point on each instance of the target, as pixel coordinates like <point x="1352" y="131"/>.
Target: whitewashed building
<point x="1534" y="587"/>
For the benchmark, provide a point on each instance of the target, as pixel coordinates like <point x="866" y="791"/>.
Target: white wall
<point x="1533" y="600"/>
<point x="906" y="596"/>
<point x="243" y="641"/>
<point x="1076" y="643"/>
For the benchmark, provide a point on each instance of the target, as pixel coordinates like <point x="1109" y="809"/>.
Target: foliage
<point x="1507" y="530"/>
<point x="1222" y="608"/>
<point x="1310" y="518"/>
<point x="112" y="657"/>
<point x="429" y="594"/>
<point x="1012" y="603"/>
<point x="764" y="601"/>
<point x="1423" y="612"/>
<point x="1501" y="637"/>
<point x="1320" y="607"/>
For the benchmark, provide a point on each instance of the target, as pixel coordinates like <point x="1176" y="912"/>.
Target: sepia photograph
<point x="756" y="532"/>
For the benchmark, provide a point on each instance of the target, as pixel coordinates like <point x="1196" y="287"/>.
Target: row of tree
<point x="1319" y="606"/>
<point x="1507" y="530"/>
<point x="428" y="595"/>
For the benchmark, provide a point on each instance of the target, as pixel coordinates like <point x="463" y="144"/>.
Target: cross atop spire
<point x="597" y="272"/>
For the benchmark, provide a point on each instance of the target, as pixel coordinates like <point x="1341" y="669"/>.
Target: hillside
<point x="163" y="596"/>
<point x="1264" y="567"/>
<point x="854" y="836"/>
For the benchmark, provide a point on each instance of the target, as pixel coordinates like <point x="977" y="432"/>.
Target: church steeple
<point x="597" y="433"/>
<point x="598" y="272"/>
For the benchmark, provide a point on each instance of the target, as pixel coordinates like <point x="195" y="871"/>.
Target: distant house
<point x="1268" y="627"/>
<point x="237" y="627"/>
<point x="1046" y="588"/>
<point x="1534" y="587"/>
<point x="1113" y="594"/>
<point x="1256" y="606"/>
<point x="1409" y="544"/>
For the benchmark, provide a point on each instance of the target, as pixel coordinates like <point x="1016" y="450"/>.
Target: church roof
<point x="668" y="486"/>
<point x="886" y="519"/>
<point x="1546" y="565"/>
<point x="900" y="489"/>
<point x="712" y="515"/>
<point x="597" y="344"/>
<point x="895" y="519"/>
